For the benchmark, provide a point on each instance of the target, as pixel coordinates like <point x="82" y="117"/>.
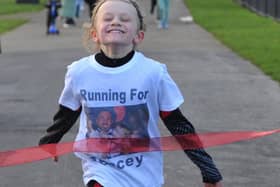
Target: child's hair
<point x="88" y="29"/>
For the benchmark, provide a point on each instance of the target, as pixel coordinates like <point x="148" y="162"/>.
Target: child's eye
<point x="125" y="18"/>
<point x="107" y="19"/>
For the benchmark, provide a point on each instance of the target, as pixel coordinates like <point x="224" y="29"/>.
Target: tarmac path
<point x="223" y="92"/>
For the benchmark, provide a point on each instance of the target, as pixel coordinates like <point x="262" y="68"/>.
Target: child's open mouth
<point x="115" y="31"/>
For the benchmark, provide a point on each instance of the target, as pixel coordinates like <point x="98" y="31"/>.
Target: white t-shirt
<point x="118" y="102"/>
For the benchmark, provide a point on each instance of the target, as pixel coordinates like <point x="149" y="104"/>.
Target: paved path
<point x="222" y="92"/>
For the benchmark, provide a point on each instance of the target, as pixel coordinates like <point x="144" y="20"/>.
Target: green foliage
<point x="253" y="37"/>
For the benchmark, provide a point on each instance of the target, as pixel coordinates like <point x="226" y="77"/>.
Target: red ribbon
<point x="128" y="145"/>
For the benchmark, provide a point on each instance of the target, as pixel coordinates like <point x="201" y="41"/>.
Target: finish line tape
<point x="128" y="145"/>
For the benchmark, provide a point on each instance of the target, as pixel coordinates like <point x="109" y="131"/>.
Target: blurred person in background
<point x="164" y="6"/>
<point x="68" y="12"/>
<point x="91" y="5"/>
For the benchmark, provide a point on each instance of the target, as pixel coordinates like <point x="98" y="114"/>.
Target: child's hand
<point x="218" y="184"/>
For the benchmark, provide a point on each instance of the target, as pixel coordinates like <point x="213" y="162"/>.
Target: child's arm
<point x="177" y="124"/>
<point x="63" y="120"/>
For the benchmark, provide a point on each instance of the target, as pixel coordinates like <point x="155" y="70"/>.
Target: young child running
<point x="118" y="76"/>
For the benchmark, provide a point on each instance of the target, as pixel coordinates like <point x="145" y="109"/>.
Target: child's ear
<point x="94" y="36"/>
<point x="139" y="37"/>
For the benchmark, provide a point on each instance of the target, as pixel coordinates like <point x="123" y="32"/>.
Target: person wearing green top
<point x="68" y="11"/>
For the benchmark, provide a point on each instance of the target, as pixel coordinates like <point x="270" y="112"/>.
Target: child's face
<point x="116" y="24"/>
<point x="104" y="120"/>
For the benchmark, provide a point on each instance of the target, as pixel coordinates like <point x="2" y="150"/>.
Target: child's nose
<point x="115" y="22"/>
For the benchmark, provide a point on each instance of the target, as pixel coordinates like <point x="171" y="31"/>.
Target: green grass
<point x="11" y="7"/>
<point x="7" y="25"/>
<point x="253" y="37"/>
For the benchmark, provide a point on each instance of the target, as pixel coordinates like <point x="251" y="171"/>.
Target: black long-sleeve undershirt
<point x="63" y="121"/>
<point x="178" y="124"/>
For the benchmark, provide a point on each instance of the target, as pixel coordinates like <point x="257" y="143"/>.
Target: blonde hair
<point x="88" y="43"/>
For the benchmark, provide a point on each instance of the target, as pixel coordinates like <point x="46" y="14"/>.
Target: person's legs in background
<point x="164" y="13"/>
<point x="68" y="12"/>
<point x="91" y="5"/>
<point x="153" y="5"/>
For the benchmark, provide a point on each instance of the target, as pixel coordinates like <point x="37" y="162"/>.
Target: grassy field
<point x="253" y="37"/>
<point x="9" y="24"/>
<point x="9" y="7"/>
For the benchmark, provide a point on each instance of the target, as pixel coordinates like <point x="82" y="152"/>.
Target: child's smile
<point x="115" y="31"/>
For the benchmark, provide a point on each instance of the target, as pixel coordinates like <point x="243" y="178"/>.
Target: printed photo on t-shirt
<point x="117" y="122"/>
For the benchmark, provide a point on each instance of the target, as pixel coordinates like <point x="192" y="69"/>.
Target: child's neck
<point x="104" y="60"/>
<point x="116" y="52"/>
